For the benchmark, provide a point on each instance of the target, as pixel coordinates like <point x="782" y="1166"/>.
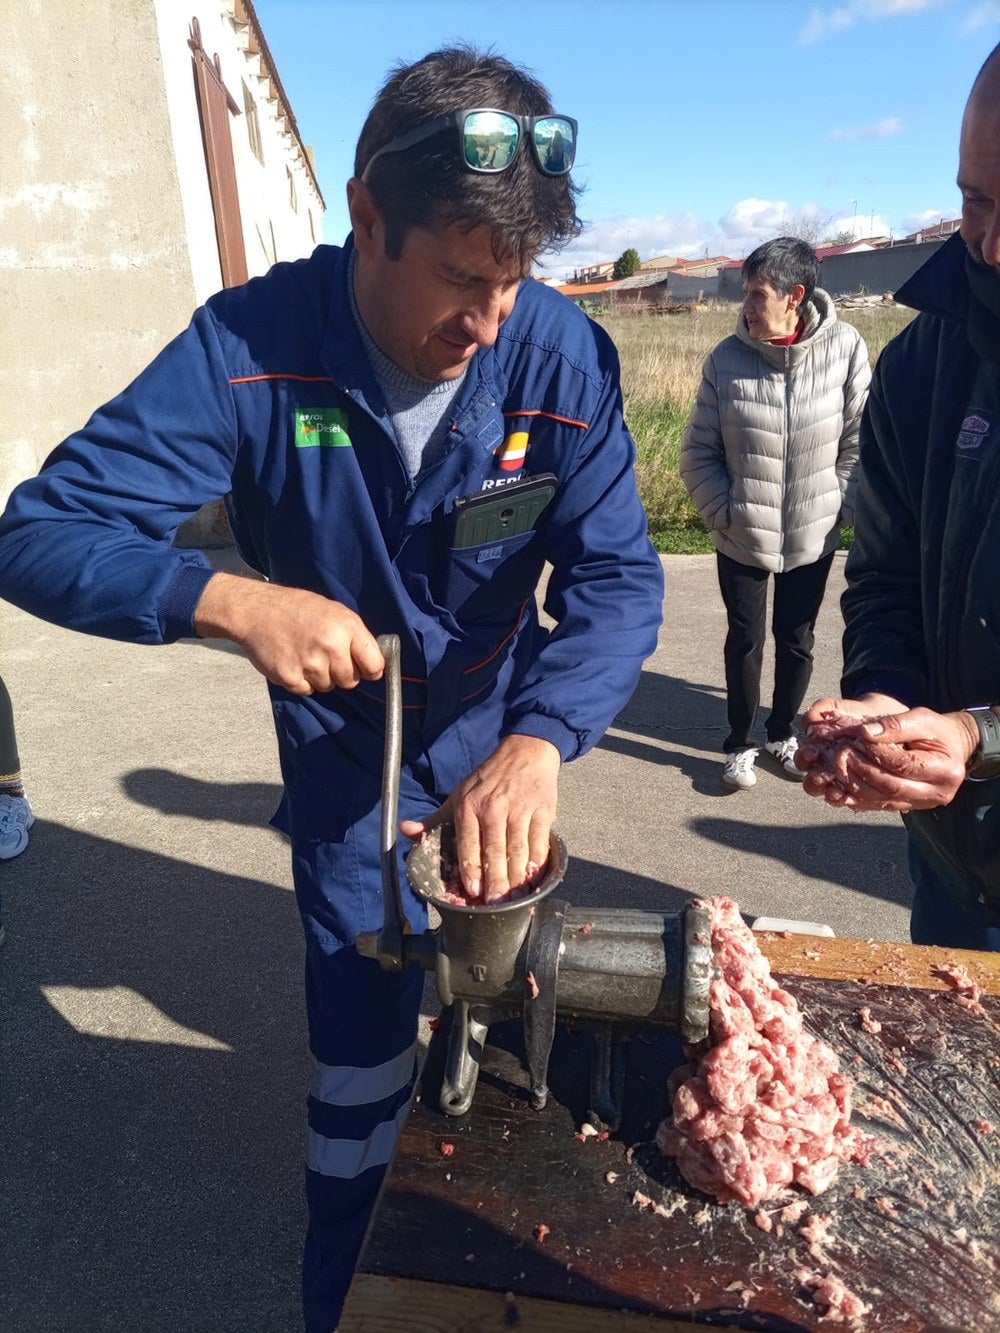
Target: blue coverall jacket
<point x="268" y="398"/>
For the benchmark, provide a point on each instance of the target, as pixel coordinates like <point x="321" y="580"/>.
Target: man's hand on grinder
<point x="299" y="640"/>
<point x="502" y="813"/>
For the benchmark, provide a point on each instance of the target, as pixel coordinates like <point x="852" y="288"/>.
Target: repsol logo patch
<point x="317" y="426"/>
<point x="973" y="433"/>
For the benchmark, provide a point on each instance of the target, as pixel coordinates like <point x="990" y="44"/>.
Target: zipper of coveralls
<point x="786" y="449"/>
<point x="425" y="475"/>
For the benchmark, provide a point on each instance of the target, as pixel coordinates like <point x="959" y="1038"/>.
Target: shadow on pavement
<point x="250" y="803"/>
<point x="661" y="703"/>
<point x="866" y="858"/>
<point x="153" y="1182"/>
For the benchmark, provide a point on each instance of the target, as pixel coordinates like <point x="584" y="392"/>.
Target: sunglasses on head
<point x="488" y="140"/>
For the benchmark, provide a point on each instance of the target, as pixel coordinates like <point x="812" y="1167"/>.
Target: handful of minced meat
<point x="762" y="1105"/>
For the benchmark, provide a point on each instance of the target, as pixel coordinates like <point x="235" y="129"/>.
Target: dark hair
<point x="527" y="211"/>
<point x="784" y="262"/>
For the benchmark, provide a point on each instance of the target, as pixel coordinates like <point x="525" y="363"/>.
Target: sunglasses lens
<point x="556" y="144"/>
<point x="490" y="140"/>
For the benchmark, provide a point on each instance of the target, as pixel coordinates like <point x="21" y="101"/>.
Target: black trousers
<point x="798" y="595"/>
<point x="10" y="765"/>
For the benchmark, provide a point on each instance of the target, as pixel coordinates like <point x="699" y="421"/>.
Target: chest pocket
<point x="488" y="583"/>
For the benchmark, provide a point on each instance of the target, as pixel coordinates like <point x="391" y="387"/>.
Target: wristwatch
<point x="985" y="761"/>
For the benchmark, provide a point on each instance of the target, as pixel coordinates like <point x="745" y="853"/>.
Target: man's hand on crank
<point x="299" y="640"/>
<point x="503" y="814"/>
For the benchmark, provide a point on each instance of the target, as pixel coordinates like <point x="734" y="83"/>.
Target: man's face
<point x="979" y="173"/>
<point x="431" y="309"/>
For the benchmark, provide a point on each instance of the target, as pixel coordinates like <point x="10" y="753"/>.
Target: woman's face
<point x="769" y="314"/>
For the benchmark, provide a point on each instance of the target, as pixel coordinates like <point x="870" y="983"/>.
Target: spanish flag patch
<point x="511" y="454"/>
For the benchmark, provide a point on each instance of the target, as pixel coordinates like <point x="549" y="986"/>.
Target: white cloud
<point x="823" y="23"/>
<point x="741" y="228"/>
<point x="981" y="16"/>
<point x="879" y="129"/>
<point x="927" y="217"/>
<point x="860" y="227"/>
<point x="681" y="234"/>
<point x="751" y="221"/>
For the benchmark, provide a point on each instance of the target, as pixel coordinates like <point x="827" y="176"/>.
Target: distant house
<point x="656" y="265"/>
<point x="641" y="290"/>
<point x="150" y="157"/>
<point x="849" y="248"/>
<point x="587" y="295"/>
<point x="701" y="268"/>
<point x="602" y="272"/>
<point x="938" y="231"/>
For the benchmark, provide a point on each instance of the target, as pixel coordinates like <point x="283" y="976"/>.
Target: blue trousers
<point x="362" y="1035"/>
<point x="938" y="915"/>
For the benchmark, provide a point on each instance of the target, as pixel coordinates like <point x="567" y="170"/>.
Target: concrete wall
<point x="93" y="256"/>
<point x="107" y="235"/>
<point x="872" y="271"/>
<point x="683" y="288"/>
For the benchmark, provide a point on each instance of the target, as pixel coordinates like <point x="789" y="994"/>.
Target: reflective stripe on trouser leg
<point x="363" y="1023"/>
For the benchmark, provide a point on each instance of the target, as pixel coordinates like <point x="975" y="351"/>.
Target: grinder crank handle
<point x="386" y="945"/>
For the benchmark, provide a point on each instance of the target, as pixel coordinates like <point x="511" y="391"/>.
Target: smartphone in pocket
<point x="490" y="516"/>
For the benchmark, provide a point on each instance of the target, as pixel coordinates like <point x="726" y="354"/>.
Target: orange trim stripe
<point x="501" y="645"/>
<point x="537" y="412"/>
<point x="306" y="379"/>
<point x="485" y="686"/>
<point x="407" y="708"/>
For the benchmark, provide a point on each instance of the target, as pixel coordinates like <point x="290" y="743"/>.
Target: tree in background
<point x="843" y="237"/>
<point x="627" y="263"/>
<point x="807" y="226"/>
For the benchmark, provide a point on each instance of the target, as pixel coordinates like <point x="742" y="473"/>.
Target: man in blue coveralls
<point x="344" y="404"/>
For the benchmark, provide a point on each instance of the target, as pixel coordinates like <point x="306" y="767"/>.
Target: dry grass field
<point x="661" y="358"/>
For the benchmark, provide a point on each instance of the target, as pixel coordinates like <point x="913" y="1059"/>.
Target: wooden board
<point x="927" y="1256"/>
<point x="400" y="1305"/>
<point x="875" y="961"/>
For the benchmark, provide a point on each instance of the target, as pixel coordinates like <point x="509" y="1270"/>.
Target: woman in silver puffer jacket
<point x="768" y="458"/>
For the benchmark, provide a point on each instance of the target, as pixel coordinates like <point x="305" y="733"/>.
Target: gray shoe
<point x="16" y="818"/>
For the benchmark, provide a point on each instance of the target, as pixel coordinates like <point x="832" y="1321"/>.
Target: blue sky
<point x="705" y="125"/>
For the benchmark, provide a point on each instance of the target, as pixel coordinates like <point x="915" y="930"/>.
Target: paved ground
<point x="153" y="1061"/>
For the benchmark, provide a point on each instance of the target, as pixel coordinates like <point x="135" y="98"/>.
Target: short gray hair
<point x="784" y="262"/>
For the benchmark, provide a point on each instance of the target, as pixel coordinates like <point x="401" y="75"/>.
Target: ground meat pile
<point x="762" y="1105"/>
<point x="453" y="890"/>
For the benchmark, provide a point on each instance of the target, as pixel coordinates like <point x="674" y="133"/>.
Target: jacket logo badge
<point x="973" y="432"/>
<point x="321" y="425"/>
<point x="512" y="452"/>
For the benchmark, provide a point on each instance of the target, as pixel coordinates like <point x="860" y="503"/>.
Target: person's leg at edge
<point x="363" y="1038"/>
<point x="744" y="592"/>
<point x="798" y="596"/>
<point x="938" y="916"/>
<point x="16" y="815"/>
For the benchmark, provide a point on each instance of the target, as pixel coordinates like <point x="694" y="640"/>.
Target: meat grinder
<point x="612" y="971"/>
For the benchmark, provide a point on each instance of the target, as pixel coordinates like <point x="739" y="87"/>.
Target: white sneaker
<point x="16" y="817"/>
<point x="784" y="752"/>
<point x="739" y="770"/>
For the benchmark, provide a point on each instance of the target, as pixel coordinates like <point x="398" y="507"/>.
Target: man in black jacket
<point x="918" y="729"/>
